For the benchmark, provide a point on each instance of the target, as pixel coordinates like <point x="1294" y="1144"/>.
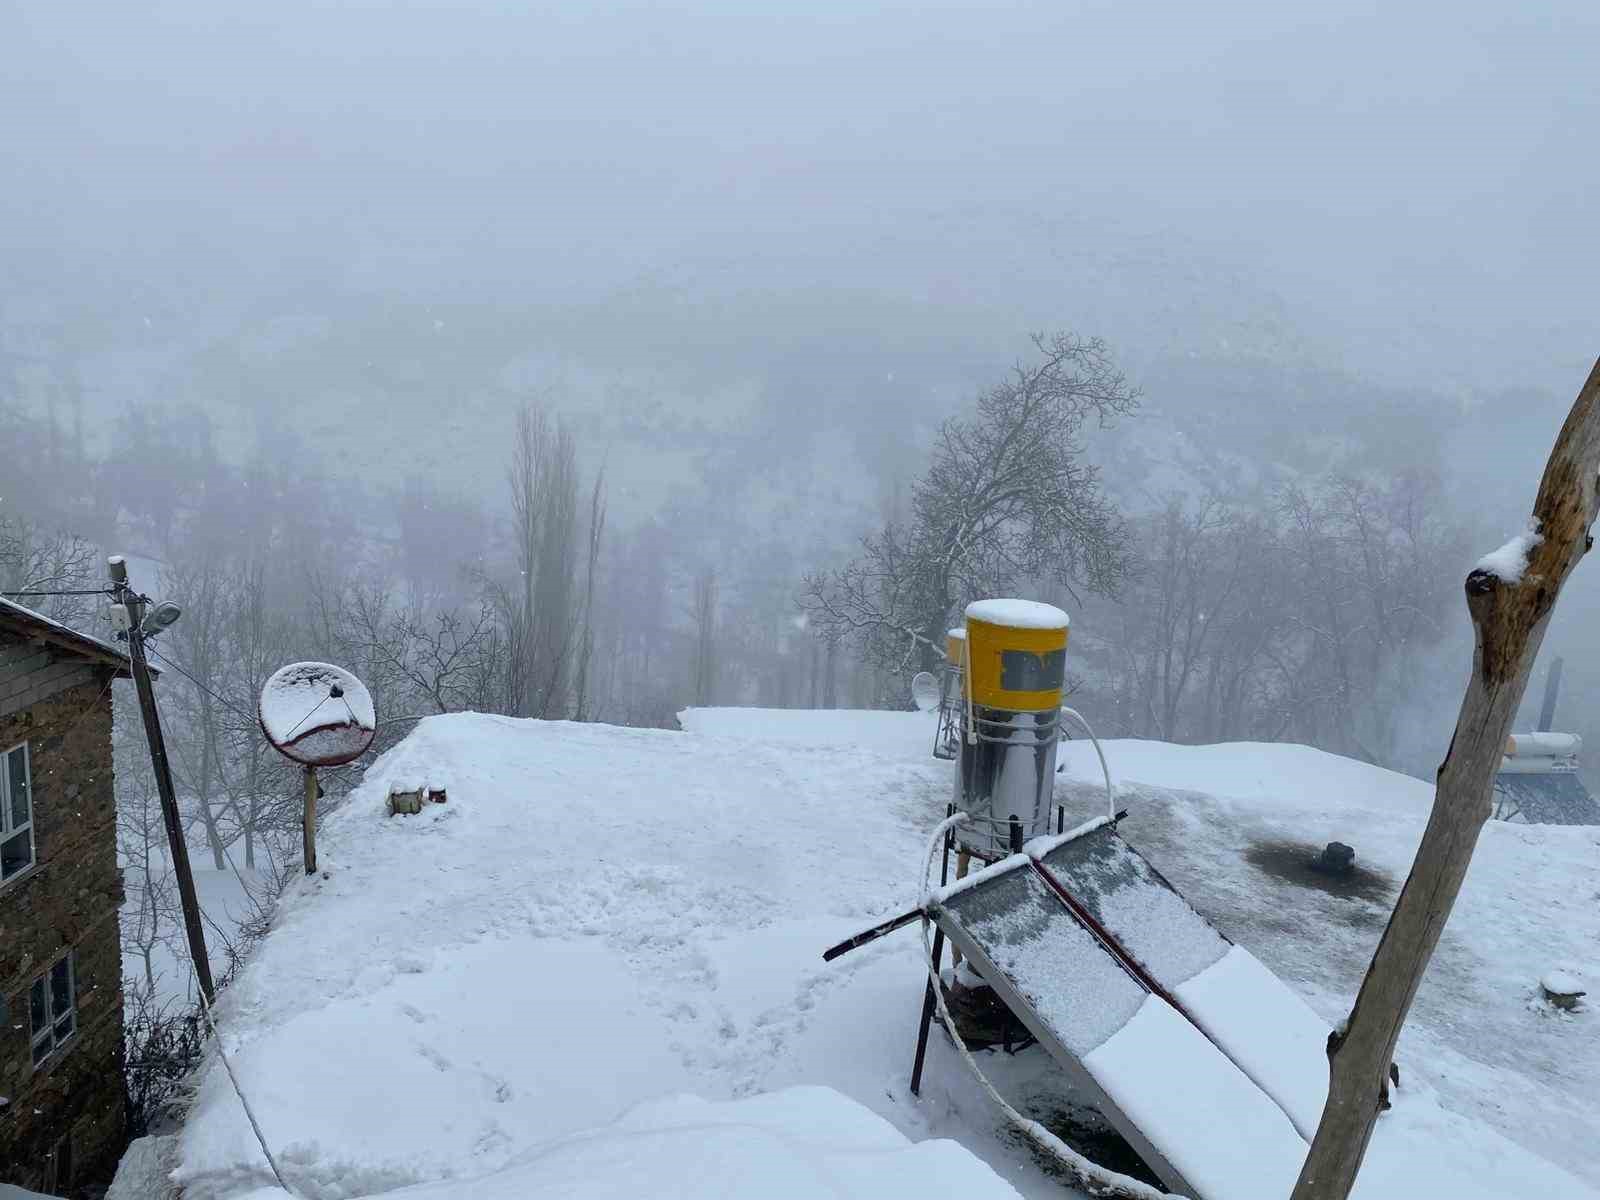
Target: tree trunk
<point x="829" y="670"/>
<point x="1509" y="617"/>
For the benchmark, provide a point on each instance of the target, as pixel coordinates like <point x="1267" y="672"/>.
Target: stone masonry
<point x="68" y="901"/>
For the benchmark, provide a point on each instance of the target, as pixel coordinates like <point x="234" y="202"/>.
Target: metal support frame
<point x="938" y="955"/>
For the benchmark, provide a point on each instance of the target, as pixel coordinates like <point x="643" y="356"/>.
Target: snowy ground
<point x="601" y="918"/>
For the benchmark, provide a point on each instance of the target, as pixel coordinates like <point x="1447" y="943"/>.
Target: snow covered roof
<point x="38" y="627"/>
<point x="475" y="995"/>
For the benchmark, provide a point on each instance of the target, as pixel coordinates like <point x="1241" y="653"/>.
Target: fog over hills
<point x="755" y="254"/>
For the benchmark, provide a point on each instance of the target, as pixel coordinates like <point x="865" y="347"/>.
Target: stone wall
<point x="68" y="900"/>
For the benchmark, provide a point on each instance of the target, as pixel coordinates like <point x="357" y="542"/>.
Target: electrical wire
<point x="238" y="1090"/>
<point x="245" y="887"/>
<point x="228" y="704"/>
<point x="1111" y="792"/>
<point x="65" y="592"/>
<point x="205" y="1006"/>
<point x="253" y="717"/>
<point x="211" y="1023"/>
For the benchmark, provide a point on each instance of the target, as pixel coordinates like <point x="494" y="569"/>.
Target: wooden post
<point x="309" y="834"/>
<point x="1510" y="611"/>
<point x="134" y="603"/>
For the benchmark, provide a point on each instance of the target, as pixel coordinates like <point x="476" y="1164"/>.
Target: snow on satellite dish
<point x="317" y="714"/>
<point x="925" y="691"/>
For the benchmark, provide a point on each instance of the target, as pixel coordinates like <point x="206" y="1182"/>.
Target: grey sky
<point x="1420" y="164"/>
<point x="806" y="229"/>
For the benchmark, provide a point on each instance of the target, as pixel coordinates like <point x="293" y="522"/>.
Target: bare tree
<point x="196" y="739"/>
<point x="596" y="531"/>
<point x="1182" y="589"/>
<point x="260" y="786"/>
<point x="36" y="559"/>
<point x="1009" y="499"/>
<point x="542" y="634"/>
<point x="703" y="613"/>
<point x="150" y="917"/>
<point x="430" y="659"/>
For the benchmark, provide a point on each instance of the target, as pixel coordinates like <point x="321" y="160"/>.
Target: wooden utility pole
<point x="123" y="594"/>
<point x="308" y="834"/>
<point x="1510" y="608"/>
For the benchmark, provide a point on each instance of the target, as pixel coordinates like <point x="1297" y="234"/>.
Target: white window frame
<point x="8" y="830"/>
<point x="50" y="1036"/>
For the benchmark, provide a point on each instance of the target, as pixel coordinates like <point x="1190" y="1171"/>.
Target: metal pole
<point x="126" y="596"/>
<point x="938" y="953"/>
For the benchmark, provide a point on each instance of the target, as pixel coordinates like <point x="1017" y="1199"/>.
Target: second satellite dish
<point x="925" y="691"/>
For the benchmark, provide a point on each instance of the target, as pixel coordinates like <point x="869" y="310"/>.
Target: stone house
<point x="62" y="1099"/>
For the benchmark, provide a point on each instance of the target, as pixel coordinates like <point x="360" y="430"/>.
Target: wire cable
<point x="245" y="887"/>
<point x="238" y="1090"/>
<point x="1111" y="792"/>
<point x="64" y="592"/>
<point x="228" y="704"/>
<point x="205" y="1007"/>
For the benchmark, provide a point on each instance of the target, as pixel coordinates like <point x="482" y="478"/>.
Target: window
<point x="16" y="813"/>
<point x="53" y="1009"/>
<point x="1023" y="671"/>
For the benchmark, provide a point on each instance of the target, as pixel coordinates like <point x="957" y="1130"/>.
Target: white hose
<point x="1085" y="1173"/>
<point x="966" y="682"/>
<point x="1111" y="795"/>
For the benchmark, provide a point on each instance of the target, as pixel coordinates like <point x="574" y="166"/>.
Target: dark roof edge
<point x="38" y="627"/>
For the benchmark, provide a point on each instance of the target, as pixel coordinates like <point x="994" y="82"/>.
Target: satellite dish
<point x="317" y="714"/>
<point x="925" y="691"/>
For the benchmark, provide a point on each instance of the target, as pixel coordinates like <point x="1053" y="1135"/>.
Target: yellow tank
<point x="1018" y="654"/>
<point x="955" y="648"/>
<point x="1016" y="662"/>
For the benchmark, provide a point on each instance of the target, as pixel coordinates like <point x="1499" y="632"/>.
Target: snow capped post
<point x="318" y="715"/>
<point x="1510" y="596"/>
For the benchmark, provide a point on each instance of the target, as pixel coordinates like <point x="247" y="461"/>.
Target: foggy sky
<point x="793" y="198"/>
<point x="1418" y="172"/>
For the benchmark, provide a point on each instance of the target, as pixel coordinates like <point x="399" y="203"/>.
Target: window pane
<point x="61" y="988"/>
<point x="15" y="854"/>
<point x="1021" y="671"/>
<point x="63" y="1028"/>
<point x="36" y="1009"/>
<point x="17" y="776"/>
